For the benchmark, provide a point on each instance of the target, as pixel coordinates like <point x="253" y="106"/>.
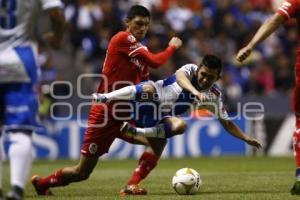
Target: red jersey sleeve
<point x="130" y="46"/>
<point x="288" y="8"/>
<point x="156" y="60"/>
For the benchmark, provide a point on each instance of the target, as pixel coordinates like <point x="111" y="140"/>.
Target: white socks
<point x="20" y="158"/>
<point x="125" y="93"/>
<point x="156" y="131"/>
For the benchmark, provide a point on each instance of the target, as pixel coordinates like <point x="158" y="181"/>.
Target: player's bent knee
<point x="148" y="89"/>
<point x="179" y="127"/>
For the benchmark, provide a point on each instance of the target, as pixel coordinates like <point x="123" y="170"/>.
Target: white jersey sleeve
<point x="189" y="70"/>
<point x="47" y="4"/>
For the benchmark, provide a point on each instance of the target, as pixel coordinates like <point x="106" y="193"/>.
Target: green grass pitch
<point x="223" y="178"/>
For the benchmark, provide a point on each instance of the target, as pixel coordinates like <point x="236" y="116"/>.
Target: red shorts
<point x="297" y="73"/>
<point x="102" y="131"/>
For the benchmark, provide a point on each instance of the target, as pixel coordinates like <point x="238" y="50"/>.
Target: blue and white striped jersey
<point x="18" y="49"/>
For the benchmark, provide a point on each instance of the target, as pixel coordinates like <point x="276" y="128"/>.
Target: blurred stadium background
<point x="218" y="27"/>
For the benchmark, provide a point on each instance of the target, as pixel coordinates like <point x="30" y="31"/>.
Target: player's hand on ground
<point x="202" y="97"/>
<point x="244" y="53"/>
<point x="253" y="142"/>
<point x="52" y="40"/>
<point x="175" y="41"/>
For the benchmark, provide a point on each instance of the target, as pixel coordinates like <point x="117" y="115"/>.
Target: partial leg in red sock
<point x="147" y="162"/>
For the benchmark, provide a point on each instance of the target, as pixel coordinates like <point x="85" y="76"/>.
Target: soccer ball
<point x="186" y="181"/>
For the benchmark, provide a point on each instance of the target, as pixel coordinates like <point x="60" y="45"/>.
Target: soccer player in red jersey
<point x="289" y="9"/>
<point x="127" y="62"/>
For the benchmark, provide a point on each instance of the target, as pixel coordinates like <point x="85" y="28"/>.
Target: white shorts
<point x="167" y="90"/>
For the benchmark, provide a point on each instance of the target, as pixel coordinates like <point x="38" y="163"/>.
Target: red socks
<point x="54" y="180"/>
<point x="146" y="163"/>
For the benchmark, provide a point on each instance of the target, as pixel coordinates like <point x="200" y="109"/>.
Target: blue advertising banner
<point x="62" y="139"/>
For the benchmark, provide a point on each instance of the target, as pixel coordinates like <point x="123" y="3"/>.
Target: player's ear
<point x="127" y="21"/>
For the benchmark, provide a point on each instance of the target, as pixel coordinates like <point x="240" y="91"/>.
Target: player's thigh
<point x="101" y="132"/>
<point x="146" y="91"/>
<point x="98" y="140"/>
<point x="175" y="124"/>
<point x="137" y="139"/>
<point x="167" y="90"/>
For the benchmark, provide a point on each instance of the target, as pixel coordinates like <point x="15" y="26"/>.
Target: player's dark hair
<point x="137" y="10"/>
<point x="212" y="62"/>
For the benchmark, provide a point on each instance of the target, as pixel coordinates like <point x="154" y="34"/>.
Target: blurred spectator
<point x="83" y="19"/>
<point x="232" y="91"/>
<point x="178" y="16"/>
<point x="284" y="76"/>
<point x="112" y="17"/>
<point x="264" y="77"/>
<point x="45" y="102"/>
<point x="224" y="46"/>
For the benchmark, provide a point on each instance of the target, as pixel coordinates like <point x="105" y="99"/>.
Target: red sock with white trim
<point x="147" y="163"/>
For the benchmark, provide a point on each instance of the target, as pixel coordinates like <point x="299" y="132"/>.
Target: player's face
<point x="138" y="26"/>
<point x="207" y="77"/>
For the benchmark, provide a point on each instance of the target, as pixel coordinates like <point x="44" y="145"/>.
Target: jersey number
<point x="8" y="19"/>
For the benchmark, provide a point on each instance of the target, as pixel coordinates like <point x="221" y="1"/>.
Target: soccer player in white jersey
<point x="190" y="86"/>
<point x="19" y="72"/>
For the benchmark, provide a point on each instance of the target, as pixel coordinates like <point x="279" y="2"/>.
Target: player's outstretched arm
<point x="184" y="82"/>
<point x="234" y="130"/>
<point x="266" y="29"/>
<point x="158" y="59"/>
<point x="57" y="19"/>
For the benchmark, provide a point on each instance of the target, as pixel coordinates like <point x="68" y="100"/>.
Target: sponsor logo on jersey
<point x="131" y="38"/>
<point x="135" y="46"/>
<point x="137" y="63"/>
